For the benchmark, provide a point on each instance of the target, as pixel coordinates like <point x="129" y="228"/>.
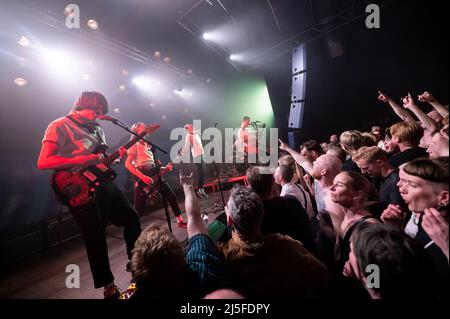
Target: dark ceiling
<point x="157" y="25"/>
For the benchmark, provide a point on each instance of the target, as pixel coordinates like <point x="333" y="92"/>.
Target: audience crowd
<point x="362" y="215"/>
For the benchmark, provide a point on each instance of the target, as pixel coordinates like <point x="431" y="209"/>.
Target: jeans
<point x="111" y="205"/>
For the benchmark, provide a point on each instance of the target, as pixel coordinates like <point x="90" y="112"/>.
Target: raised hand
<point x="186" y="180"/>
<point x="393" y="215"/>
<point x="383" y="97"/>
<point x="426" y="97"/>
<point x="408" y="102"/>
<point x="436" y="226"/>
<point x="283" y="146"/>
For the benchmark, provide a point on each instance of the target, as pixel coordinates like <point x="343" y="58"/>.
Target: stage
<point x="43" y="276"/>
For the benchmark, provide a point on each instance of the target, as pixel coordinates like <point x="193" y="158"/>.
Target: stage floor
<point x="43" y="276"/>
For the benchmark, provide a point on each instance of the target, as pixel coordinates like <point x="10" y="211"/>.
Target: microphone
<point x="215" y="124"/>
<point x="106" y="118"/>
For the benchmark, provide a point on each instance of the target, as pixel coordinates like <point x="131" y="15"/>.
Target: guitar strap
<point x="93" y="128"/>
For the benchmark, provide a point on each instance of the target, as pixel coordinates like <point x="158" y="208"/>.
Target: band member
<point x="71" y="143"/>
<point x="194" y="143"/>
<point x="246" y="142"/>
<point x="141" y="164"/>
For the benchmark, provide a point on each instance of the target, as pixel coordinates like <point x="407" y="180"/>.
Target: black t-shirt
<point x="388" y="192"/>
<point x="344" y="243"/>
<point x="407" y="155"/>
<point x="439" y="262"/>
<point x="285" y="215"/>
<point x="349" y="165"/>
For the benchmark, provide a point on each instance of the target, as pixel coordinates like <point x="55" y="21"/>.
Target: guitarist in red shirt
<point x="141" y="164"/>
<point x="71" y="144"/>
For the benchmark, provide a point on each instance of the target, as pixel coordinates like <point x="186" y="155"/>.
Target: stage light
<point x="242" y="57"/>
<point x="147" y="84"/>
<point x="207" y="36"/>
<point x="167" y="60"/>
<point x="20" y="81"/>
<point x="164" y="117"/>
<point x="92" y="24"/>
<point x="116" y="110"/>
<point x="142" y="82"/>
<point x="122" y="87"/>
<point x="60" y="61"/>
<point x="208" y="80"/>
<point x="24" y="41"/>
<point x="124" y="72"/>
<point x="157" y="54"/>
<point x="86" y="77"/>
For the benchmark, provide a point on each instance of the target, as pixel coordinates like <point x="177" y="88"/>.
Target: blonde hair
<point x="158" y="263"/>
<point x="369" y="139"/>
<point x="445" y="120"/>
<point x="369" y="154"/>
<point x="288" y="160"/>
<point x="351" y="140"/>
<point x="409" y="132"/>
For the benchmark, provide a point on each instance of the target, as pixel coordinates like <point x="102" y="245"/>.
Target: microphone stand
<point x="255" y="126"/>
<point x="153" y="148"/>
<point x="218" y="177"/>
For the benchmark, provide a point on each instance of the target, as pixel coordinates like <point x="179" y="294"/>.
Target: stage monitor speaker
<point x="218" y="230"/>
<point x="299" y="59"/>
<point x="296" y="115"/>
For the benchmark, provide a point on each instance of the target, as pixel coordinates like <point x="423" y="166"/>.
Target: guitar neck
<point x="111" y="158"/>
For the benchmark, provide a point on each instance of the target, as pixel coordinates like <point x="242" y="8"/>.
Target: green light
<point x="250" y="97"/>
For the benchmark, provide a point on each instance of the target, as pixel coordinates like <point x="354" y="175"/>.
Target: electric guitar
<point x="77" y="189"/>
<point x="152" y="189"/>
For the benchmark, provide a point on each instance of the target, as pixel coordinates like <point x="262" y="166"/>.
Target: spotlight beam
<point x="53" y="20"/>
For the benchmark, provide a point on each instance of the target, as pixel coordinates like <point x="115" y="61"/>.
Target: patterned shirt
<point x="205" y="270"/>
<point x="202" y="258"/>
<point x="75" y="139"/>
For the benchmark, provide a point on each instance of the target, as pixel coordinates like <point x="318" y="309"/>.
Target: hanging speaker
<point x="296" y="115"/>
<point x="298" y="87"/>
<point x="294" y="139"/>
<point x="298" y="59"/>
